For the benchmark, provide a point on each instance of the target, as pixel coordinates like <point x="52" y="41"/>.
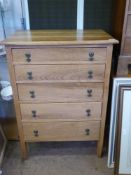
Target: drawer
<point x="61" y="92"/>
<point x="58" y="55"/>
<point x="64" y="111"/>
<point x="61" y="131"/>
<point x="60" y="73"/>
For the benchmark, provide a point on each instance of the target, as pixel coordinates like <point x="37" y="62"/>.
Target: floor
<point x="69" y="158"/>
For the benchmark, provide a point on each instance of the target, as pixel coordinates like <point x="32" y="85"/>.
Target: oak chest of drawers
<point x="60" y="82"/>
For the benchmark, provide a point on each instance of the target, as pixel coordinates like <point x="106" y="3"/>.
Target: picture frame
<point x="123" y="132"/>
<point x="117" y="82"/>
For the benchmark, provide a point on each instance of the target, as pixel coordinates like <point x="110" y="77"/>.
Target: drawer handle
<point x="91" y="56"/>
<point x="87" y="131"/>
<point x="28" y="57"/>
<point x="90" y="74"/>
<point x="34" y="115"/>
<point x="89" y="92"/>
<point x="32" y="94"/>
<point x="29" y="74"/>
<point x="88" y="111"/>
<point x="36" y="133"/>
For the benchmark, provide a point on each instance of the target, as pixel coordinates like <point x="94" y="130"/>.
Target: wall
<point x="62" y="14"/>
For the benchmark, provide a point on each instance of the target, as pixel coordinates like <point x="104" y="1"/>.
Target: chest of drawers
<point x="60" y="82"/>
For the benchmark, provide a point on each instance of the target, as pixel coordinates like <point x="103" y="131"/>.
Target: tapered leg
<point x="100" y="148"/>
<point x="24" y="150"/>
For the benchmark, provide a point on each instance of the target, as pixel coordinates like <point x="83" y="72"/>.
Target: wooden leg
<point x="24" y="150"/>
<point x="100" y="148"/>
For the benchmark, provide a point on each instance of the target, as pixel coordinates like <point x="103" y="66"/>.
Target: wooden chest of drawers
<point x="60" y="82"/>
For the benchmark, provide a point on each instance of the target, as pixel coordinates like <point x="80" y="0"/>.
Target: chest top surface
<point x="56" y="37"/>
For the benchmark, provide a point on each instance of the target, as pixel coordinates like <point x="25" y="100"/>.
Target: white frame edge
<point x="25" y="9"/>
<point x="80" y="14"/>
<point x="116" y="85"/>
<point x="125" y="159"/>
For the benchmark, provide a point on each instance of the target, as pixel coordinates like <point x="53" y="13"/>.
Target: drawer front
<point x="61" y="92"/>
<point x="70" y="111"/>
<point x="60" y="73"/>
<point x="61" y="131"/>
<point x="61" y="55"/>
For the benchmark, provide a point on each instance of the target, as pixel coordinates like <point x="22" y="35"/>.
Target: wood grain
<point x="57" y="37"/>
<point x="23" y="145"/>
<point x="60" y="73"/>
<point x="61" y="55"/>
<point x="61" y="131"/>
<point x="105" y="101"/>
<point x="61" y="84"/>
<point x="61" y="111"/>
<point x="61" y="92"/>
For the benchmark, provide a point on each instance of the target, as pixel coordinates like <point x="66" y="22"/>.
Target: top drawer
<point x="58" y="55"/>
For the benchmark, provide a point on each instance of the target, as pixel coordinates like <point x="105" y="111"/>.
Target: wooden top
<point x="56" y="37"/>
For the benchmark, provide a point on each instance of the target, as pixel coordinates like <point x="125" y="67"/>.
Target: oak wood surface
<point x="60" y="80"/>
<point x="61" y="111"/>
<point x="61" y="92"/>
<point x="56" y="37"/>
<point x="60" y="73"/>
<point x="105" y="100"/>
<point x="63" y="55"/>
<point x="61" y="131"/>
<point x="23" y="145"/>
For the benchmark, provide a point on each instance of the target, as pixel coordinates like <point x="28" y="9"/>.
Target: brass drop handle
<point x="89" y="92"/>
<point x="36" y="133"/>
<point x="87" y="131"/>
<point x="90" y="74"/>
<point x="32" y="94"/>
<point x="91" y="56"/>
<point x="88" y="112"/>
<point x="34" y="114"/>
<point x="28" y="57"/>
<point x="30" y="75"/>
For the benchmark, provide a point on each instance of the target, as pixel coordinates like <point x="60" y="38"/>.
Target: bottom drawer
<point x="61" y="131"/>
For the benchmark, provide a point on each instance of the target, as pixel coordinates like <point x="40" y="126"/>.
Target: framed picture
<point x="114" y="113"/>
<point x="123" y="133"/>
